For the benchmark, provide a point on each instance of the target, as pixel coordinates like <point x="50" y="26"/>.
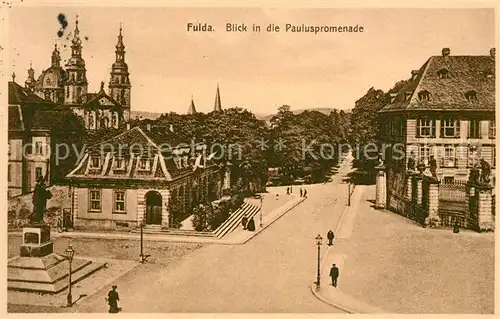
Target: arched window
<point x="78" y="92"/>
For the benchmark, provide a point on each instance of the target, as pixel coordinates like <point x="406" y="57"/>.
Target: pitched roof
<point x="15" y="118"/>
<point x="447" y="79"/>
<point x="22" y="96"/>
<point x="98" y="100"/>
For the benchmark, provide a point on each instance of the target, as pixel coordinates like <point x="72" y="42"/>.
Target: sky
<point x="258" y="71"/>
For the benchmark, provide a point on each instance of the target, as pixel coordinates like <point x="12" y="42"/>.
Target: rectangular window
<point x="474" y="129"/>
<point x="38" y="148"/>
<point x="119" y="163"/>
<point x="424" y="154"/>
<point x="493" y="156"/>
<point x="9" y="172"/>
<point x="95" y="162"/>
<point x="38" y="172"/>
<point x="473" y="156"/>
<point x="492" y="128"/>
<point x="9" y="149"/>
<point x="449" y="179"/>
<point x="95" y="200"/>
<point x="449" y="156"/>
<point x="144" y="164"/>
<point x="119" y="202"/>
<point x="426" y="127"/>
<point x="450" y="128"/>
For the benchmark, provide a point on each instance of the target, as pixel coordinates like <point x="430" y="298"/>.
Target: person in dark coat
<point x="301" y="192"/>
<point x="251" y="225"/>
<point x="334" y="273"/>
<point x="305" y="193"/>
<point x="288" y="190"/>
<point x="330" y="237"/>
<point x="112" y="300"/>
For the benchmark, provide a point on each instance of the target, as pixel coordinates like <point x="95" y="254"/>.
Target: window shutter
<point x="418" y="128"/>
<point x="457" y="128"/>
<point x="441" y="131"/>
<point x="433" y="128"/>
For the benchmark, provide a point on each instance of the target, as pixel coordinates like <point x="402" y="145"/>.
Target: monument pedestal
<point x="39" y="269"/>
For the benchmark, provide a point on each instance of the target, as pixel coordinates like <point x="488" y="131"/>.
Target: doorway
<point x="153" y="208"/>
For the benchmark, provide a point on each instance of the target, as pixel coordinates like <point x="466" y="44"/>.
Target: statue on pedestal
<point x="433" y="166"/>
<point x="411" y="162"/>
<point x="485" y="172"/>
<point x="40" y="197"/>
<point x="380" y="160"/>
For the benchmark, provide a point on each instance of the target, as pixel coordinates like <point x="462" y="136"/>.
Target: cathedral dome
<point x="53" y="77"/>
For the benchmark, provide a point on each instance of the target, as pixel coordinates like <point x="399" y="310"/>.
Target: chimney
<point x="148" y="127"/>
<point x="128" y="126"/>
<point x="446" y="52"/>
<point x="171" y="128"/>
<point x="414" y="74"/>
<point x="492" y="52"/>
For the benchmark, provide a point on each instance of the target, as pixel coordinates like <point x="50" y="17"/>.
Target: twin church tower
<point x="69" y="86"/>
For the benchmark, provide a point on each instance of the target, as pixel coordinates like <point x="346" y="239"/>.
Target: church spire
<point x="217" y="106"/>
<point x="76" y="45"/>
<point x="119" y="84"/>
<point x="192" y="108"/>
<point x="30" y="81"/>
<point x="56" y="58"/>
<point x="76" y="84"/>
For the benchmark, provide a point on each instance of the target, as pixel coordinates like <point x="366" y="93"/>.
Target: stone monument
<point x="38" y="268"/>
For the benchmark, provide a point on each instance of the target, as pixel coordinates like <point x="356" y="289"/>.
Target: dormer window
<point x="424" y="95"/>
<point x="407" y="95"/>
<point x="471" y="96"/>
<point x="443" y="73"/>
<point x="119" y="163"/>
<point x="95" y="162"/>
<point x="144" y="164"/>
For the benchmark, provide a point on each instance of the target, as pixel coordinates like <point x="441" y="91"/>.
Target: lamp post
<point x="141" y="255"/>
<point x="261" y="211"/>
<point x="70" y="252"/>
<point x="318" y="243"/>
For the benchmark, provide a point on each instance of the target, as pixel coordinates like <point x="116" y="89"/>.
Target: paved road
<point x="271" y="273"/>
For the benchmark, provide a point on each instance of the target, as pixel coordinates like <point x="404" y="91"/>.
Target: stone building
<point x="35" y="128"/>
<point x="135" y="177"/>
<point x="69" y="86"/>
<point x="446" y="110"/>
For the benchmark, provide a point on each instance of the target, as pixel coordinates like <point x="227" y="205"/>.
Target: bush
<point x="236" y="202"/>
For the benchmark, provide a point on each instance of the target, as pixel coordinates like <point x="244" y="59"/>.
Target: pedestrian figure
<point x="277" y="196"/>
<point x="334" y="273"/>
<point x="305" y="193"/>
<point x="112" y="300"/>
<point x="244" y="222"/>
<point x="456" y="228"/>
<point x="251" y="225"/>
<point x="301" y="192"/>
<point x="288" y="190"/>
<point x="330" y="237"/>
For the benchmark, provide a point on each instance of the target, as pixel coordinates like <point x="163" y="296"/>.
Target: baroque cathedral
<point x="69" y="86"/>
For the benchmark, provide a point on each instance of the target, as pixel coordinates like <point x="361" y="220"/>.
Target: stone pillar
<point x="165" y="196"/>
<point x="381" y="188"/>
<point x="433" y="202"/>
<point x="141" y="205"/>
<point x="409" y="185"/>
<point x="227" y="178"/>
<point x="485" y="217"/>
<point x="419" y="189"/>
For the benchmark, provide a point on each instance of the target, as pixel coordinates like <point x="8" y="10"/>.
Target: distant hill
<point x="144" y="115"/>
<point x="324" y="110"/>
<point x="264" y="117"/>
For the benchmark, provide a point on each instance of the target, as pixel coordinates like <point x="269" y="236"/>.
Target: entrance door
<point x="153" y="208"/>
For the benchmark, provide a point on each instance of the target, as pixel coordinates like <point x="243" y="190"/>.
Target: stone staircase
<point x="234" y="220"/>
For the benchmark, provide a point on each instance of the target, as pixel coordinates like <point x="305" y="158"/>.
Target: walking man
<point x="305" y="193"/>
<point x="301" y="192"/>
<point x="288" y="190"/>
<point x="334" y="273"/>
<point x="112" y="300"/>
<point x="330" y="237"/>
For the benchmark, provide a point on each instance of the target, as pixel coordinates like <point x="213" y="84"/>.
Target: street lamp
<point x="261" y="198"/>
<point x="70" y="252"/>
<point x="349" y="193"/>
<point x="141" y="255"/>
<point x="318" y="243"/>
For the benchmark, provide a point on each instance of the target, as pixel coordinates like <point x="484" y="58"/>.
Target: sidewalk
<point x="386" y="260"/>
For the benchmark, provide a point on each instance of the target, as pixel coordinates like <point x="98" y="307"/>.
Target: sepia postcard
<point x="202" y="157"/>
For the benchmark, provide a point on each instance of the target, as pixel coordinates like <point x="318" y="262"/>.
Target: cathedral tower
<point x="30" y="81"/>
<point x="76" y="82"/>
<point x="119" y="84"/>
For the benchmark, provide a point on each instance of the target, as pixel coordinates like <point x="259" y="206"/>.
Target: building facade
<point x="35" y="128"/>
<point x="69" y="86"/>
<point x="445" y="111"/>
<point x="136" y="176"/>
